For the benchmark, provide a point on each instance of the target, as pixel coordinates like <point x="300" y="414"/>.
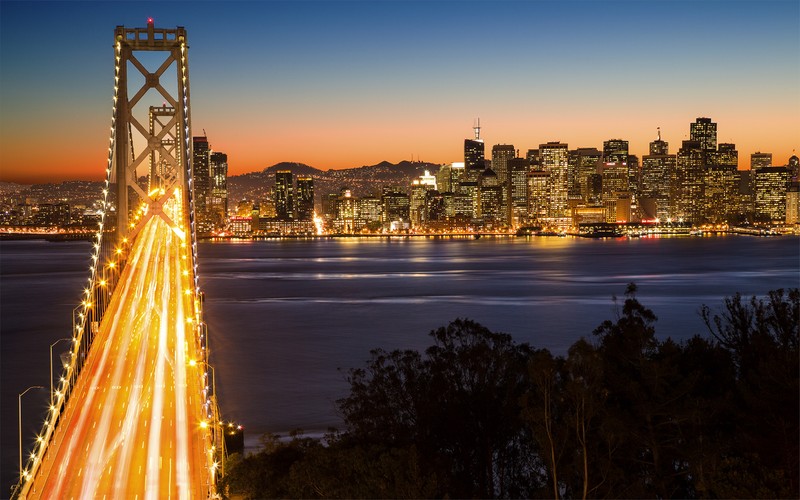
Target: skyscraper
<point x="474" y="154"/>
<point x="704" y="131"/>
<point x="722" y="184"/>
<point x="218" y="206"/>
<point x="770" y="193"/>
<point x="518" y="169"/>
<point x="284" y="195"/>
<point x="501" y="153"/>
<point x="688" y="187"/>
<point x="759" y="159"/>
<point x="305" y="197"/>
<point x="615" y="150"/>
<point x="201" y="180"/>
<point x="555" y="161"/>
<point x="583" y="162"/>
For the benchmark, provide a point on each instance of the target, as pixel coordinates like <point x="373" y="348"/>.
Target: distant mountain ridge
<point x="362" y="181"/>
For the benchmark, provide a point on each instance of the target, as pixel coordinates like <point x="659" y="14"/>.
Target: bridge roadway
<point x="133" y="426"/>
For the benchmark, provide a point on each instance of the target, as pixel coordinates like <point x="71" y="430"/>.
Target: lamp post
<point x="19" y="408"/>
<point x="51" y="366"/>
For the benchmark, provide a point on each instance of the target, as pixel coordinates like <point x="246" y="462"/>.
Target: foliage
<point x="628" y="415"/>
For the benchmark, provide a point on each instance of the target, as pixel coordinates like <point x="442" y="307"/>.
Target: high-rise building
<point x="615" y="151"/>
<point x="218" y="201"/>
<point x="555" y="161"/>
<point x="201" y="180"/>
<point x="518" y="169"/>
<point x="419" y="187"/>
<point x="490" y="198"/>
<point x="688" y="187"/>
<point x="395" y="205"/>
<point x="538" y="183"/>
<point x="794" y="167"/>
<point x="501" y="153"/>
<point x="615" y="187"/>
<point x="305" y="197"/>
<point x="474" y="154"/>
<point x="770" y="193"/>
<point x="583" y="162"/>
<point x="759" y="159"/>
<point x="704" y="131"/>
<point x="793" y="203"/>
<point x="722" y="184"/>
<point x="284" y="195"/>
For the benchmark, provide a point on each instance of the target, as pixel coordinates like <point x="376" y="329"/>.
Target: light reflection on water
<point x="285" y="315"/>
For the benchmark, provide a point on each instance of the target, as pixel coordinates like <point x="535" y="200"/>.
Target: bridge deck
<point x="133" y="427"/>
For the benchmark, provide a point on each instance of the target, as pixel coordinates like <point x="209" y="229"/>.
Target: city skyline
<point x="340" y="85"/>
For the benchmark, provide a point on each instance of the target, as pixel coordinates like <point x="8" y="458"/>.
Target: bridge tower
<point x="148" y="175"/>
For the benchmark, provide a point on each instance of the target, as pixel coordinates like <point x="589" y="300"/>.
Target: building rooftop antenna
<point x="659" y="132"/>
<point x="477" y="129"/>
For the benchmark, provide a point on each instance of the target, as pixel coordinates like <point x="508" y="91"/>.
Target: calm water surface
<point x="285" y="315"/>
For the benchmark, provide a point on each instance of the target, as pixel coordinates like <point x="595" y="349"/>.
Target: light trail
<point x="135" y="423"/>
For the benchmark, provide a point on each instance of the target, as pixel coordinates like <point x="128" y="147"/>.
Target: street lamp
<point x="19" y="408"/>
<point x="51" y="366"/>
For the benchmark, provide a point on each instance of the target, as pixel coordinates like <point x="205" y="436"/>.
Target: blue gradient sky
<point x="340" y="84"/>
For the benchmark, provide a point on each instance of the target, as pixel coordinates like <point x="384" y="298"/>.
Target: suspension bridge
<point x="134" y="414"/>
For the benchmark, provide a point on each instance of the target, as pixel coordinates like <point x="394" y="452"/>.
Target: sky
<point x="339" y="84"/>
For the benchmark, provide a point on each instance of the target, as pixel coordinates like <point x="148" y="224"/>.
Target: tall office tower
<point x="722" y="184"/>
<point x="394" y="206"/>
<point x="583" y="163"/>
<point x="704" y="131"/>
<point x="721" y="187"/>
<point x="284" y="195"/>
<point x="533" y="157"/>
<point x="467" y="201"/>
<point x="518" y="169"/>
<point x="615" y="187"/>
<point x="305" y="197"/>
<point x="659" y="147"/>
<point x="538" y="183"/>
<point x="615" y="151"/>
<point x="444" y="178"/>
<point x="555" y="161"/>
<point x="345" y="221"/>
<point x="634" y="174"/>
<point x="726" y="156"/>
<point x="759" y="159"/>
<point x="435" y="213"/>
<point x="658" y="170"/>
<point x="490" y="194"/>
<point x="793" y="203"/>
<point x="794" y="167"/>
<point x="501" y="153"/>
<point x="201" y="178"/>
<point x="688" y="186"/>
<point x="456" y="175"/>
<point x="368" y="213"/>
<point x="218" y="207"/>
<point x="419" y="187"/>
<point x="474" y="154"/>
<point x="770" y="193"/>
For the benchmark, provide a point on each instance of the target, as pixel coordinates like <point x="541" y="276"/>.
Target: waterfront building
<point x="582" y="163"/>
<point x="555" y="161"/>
<point x="688" y="186"/>
<point x="770" y="193"/>
<point x="305" y="198"/>
<point x="345" y="221"/>
<point x="537" y="195"/>
<point x="720" y="190"/>
<point x="615" y="187"/>
<point x="201" y="183"/>
<point x="658" y="171"/>
<point x="490" y="195"/>
<point x="218" y="201"/>
<point x="501" y="153"/>
<point x="793" y="203"/>
<point x="368" y="213"/>
<point x="518" y="169"/>
<point x="284" y="195"/>
<point x="395" y="206"/>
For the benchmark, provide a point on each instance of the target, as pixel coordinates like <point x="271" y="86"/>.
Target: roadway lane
<point x="133" y="426"/>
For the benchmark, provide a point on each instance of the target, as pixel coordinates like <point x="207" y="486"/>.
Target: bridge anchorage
<point x="134" y="414"/>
